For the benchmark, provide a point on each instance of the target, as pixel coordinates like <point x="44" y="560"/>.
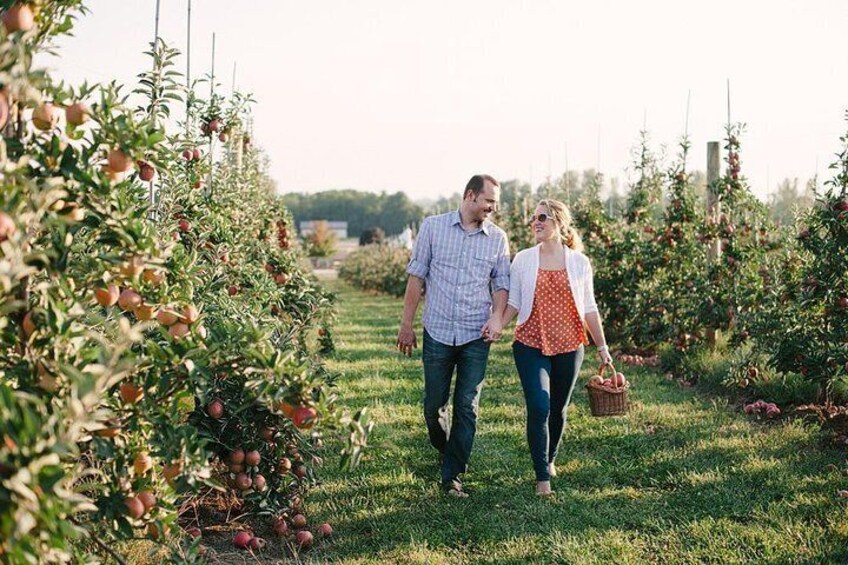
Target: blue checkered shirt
<point x="461" y="269"/>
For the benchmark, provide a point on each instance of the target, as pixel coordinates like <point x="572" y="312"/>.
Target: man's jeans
<point x="548" y="382"/>
<point x="439" y="361"/>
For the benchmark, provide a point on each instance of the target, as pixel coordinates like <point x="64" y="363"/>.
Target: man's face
<point x="483" y="204"/>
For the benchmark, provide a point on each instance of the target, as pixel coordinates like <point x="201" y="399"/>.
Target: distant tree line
<point x="360" y="209"/>
<point x="391" y="213"/>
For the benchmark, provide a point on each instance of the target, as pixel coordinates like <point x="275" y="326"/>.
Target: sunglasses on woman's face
<point x="540" y="217"/>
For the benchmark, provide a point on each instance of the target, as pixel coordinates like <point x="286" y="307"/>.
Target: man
<point x="463" y="261"/>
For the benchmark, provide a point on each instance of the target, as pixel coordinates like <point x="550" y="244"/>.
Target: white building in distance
<point x="338" y="228"/>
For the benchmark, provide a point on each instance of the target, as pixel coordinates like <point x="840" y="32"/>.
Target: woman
<point x="552" y="292"/>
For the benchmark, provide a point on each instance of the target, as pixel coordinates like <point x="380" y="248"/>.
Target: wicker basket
<point x="605" y="400"/>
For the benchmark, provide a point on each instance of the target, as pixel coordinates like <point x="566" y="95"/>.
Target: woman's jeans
<point x="470" y="360"/>
<point x="548" y="382"/>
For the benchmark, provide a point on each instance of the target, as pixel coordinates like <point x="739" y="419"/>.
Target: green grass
<point x="681" y="479"/>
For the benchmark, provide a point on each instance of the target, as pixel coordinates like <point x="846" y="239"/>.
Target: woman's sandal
<point x="544" y="491"/>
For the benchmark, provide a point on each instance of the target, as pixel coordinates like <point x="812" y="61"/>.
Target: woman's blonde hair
<point x="561" y="216"/>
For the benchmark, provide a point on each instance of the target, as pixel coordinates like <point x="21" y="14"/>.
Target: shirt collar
<point x="457" y="219"/>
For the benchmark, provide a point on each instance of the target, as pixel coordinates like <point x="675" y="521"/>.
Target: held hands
<point x="492" y="330"/>
<point x="406" y="340"/>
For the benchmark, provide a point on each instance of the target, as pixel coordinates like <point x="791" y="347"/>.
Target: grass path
<point x="681" y="479"/>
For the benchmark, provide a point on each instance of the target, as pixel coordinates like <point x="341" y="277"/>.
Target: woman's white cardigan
<point x="522" y="282"/>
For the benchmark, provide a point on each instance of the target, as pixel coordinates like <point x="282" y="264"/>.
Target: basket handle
<point x="603" y="369"/>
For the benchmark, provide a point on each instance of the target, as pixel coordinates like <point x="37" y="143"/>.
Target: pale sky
<point x="418" y="96"/>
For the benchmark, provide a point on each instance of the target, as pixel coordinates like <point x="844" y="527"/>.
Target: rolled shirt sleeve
<point x="500" y="274"/>
<point x="419" y="262"/>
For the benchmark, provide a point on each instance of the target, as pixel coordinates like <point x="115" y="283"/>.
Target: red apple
<point x="281" y="528"/>
<point x="190" y="314"/>
<point x="252" y="458"/>
<point x="19" y="17"/>
<point x="171" y="472"/>
<point x="232" y="290"/>
<point x="242" y="539"/>
<point x="298" y="521"/>
<point x="184" y="225"/>
<point x="167" y="317"/>
<point x="146" y="171"/>
<point x="144" y="312"/>
<point x="178" y="330"/>
<point x="77" y="114"/>
<point x="45" y="117"/>
<point x="237" y="456"/>
<point x="107" y="296"/>
<point x="259" y="482"/>
<point x="147" y="499"/>
<point x="257" y="544"/>
<point x="303" y="538"/>
<point x="325" y="530"/>
<point x="215" y="409"/>
<point x="195" y="154"/>
<point x="187" y="154"/>
<point x="243" y="481"/>
<point x="7" y="226"/>
<point x="129" y="300"/>
<point x="284" y="465"/>
<point x="119" y="162"/>
<point x="304" y="417"/>
<point x="4" y="109"/>
<point x="135" y="508"/>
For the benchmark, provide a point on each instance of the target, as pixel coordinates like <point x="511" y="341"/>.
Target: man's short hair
<point x="475" y="185"/>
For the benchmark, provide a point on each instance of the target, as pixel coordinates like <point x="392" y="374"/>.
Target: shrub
<point x="378" y="268"/>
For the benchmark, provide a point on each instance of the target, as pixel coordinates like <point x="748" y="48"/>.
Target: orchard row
<point x="159" y="338"/>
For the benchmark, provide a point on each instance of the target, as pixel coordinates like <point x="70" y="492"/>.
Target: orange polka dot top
<point x="554" y="325"/>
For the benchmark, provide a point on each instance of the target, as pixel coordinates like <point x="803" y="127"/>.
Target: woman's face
<point x="543" y="225"/>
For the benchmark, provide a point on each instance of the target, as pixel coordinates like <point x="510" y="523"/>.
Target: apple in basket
<point x="596" y="380"/>
<point x="607" y="382"/>
<point x="618" y="380"/>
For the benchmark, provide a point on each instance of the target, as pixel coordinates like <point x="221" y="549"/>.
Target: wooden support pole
<point x="713" y="212"/>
